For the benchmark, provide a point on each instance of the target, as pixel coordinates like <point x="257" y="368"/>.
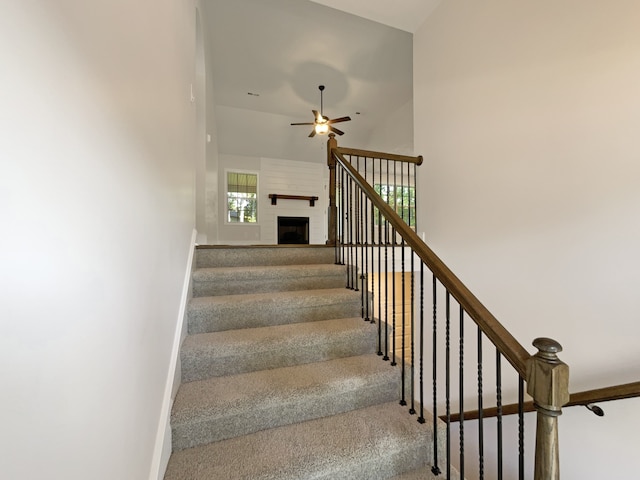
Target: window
<point x="242" y="197"/>
<point x="401" y="198"/>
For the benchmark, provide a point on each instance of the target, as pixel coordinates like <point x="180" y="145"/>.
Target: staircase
<point x="281" y="379"/>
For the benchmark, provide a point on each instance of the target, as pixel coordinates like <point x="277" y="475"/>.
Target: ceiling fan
<point x="321" y="123"/>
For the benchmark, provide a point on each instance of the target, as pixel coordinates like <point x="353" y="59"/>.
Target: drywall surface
<point x="278" y="176"/>
<point x="97" y="207"/>
<point x="395" y="135"/>
<point x="527" y="116"/>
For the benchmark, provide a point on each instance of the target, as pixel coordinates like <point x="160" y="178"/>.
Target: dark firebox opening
<point x="293" y="230"/>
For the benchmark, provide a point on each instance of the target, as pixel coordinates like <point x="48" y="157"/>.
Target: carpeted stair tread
<point x="257" y="279"/>
<point x="372" y="443"/>
<point x="226" y="312"/>
<point x="236" y="256"/>
<point x="224" y="407"/>
<point x="230" y="352"/>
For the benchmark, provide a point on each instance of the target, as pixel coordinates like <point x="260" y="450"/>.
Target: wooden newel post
<point x="548" y="384"/>
<point x="333" y="209"/>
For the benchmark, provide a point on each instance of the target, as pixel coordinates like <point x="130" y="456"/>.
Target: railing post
<point x="333" y="209"/>
<point x="548" y="384"/>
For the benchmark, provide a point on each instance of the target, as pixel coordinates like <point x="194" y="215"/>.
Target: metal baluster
<point x="461" y="392"/>
<point x="365" y="248"/>
<point x="415" y="197"/>
<point x="420" y="368"/>
<point x="480" y="410"/>
<point x="380" y="266"/>
<point x="347" y="222"/>
<point x="356" y="238"/>
<point x="343" y="216"/>
<point x="353" y="221"/>
<point x="448" y="379"/>
<point x="521" y="428"/>
<point x="386" y="293"/>
<point x="403" y="401"/>
<point x="393" y="297"/>
<point x="435" y="469"/>
<point x="499" y="405"/>
<point x="402" y="215"/>
<point x="373" y="241"/>
<point x="336" y="247"/>
<point x="403" y="346"/>
<point x="412" y="410"/>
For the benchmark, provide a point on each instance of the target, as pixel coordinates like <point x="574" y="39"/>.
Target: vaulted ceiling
<point x="269" y="56"/>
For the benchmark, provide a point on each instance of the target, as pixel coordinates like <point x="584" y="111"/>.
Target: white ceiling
<point x="406" y="15"/>
<point x="281" y="50"/>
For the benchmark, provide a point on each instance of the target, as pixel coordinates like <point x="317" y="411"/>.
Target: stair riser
<point x="218" y="318"/>
<point x="200" y="364"/>
<point x="239" y="256"/>
<point x="376" y="442"/>
<point x="234" y="287"/>
<point x="298" y="409"/>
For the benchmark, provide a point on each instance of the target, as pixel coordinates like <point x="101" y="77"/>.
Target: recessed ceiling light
<point x="253" y="94"/>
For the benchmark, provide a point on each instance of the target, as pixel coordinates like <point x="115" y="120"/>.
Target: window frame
<point x="226" y="196"/>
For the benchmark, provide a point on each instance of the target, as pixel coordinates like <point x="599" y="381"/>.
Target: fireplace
<point x="293" y="230"/>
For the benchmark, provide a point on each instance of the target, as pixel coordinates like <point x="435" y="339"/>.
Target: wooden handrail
<point x="385" y="156"/>
<point x="598" y="395"/>
<point x="607" y="394"/>
<point x="508" y="346"/>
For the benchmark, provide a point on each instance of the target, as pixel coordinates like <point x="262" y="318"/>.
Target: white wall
<point x="395" y="134"/>
<point x="97" y="208"/>
<point x="288" y="177"/>
<point x="527" y="115"/>
<point x="247" y="234"/>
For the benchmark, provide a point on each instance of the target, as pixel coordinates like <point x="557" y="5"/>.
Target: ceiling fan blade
<point x="335" y="130"/>
<point x="338" y="120"/>
<point x="316" y="115"/>
<point x="313" y="133"/>
<point x="307" y="123"/>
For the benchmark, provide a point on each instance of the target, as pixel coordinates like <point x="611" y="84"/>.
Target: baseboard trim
<point x="162" y="449"/>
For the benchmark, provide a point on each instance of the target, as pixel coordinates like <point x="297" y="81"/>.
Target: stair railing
<point x="443" y="326"/>
<point x="587" y="399"/>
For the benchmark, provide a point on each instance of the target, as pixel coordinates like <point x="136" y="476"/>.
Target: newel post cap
<point x="548" y="376"/>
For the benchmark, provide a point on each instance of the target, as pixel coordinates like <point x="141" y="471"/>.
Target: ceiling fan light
<point x="322" y="128"/>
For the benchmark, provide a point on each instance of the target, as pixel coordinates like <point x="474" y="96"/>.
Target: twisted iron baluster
<point x="403" y="401"/>
<point x="365" y="248"/>
<point x="480" y="410"/>
<point x="415" y="197"/>
<point x="520" y="428"/>
<point x="448" y="380"/>
<point x="352" y="262"/>
<point x="461" y="393"/>
<point x="412" y="410"/>
<point x="499" y="405"/>
<point x="435" y="469"/>
<point x="421" y="369"/>
<point x="343" y="217"/>
<point x="380" y="267"/>
<point x="393" y="297"/>
<point x="386" y="275"/>
<point x="386" y="296"/>
<point x="357" y="197"/>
